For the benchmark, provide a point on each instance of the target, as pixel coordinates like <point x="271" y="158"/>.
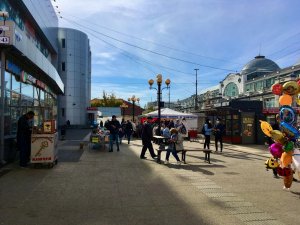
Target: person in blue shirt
<point x="207" y="132"/>
<point x="166" y="131"/>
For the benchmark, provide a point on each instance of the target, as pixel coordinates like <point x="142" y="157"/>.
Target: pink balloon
<point x="276" y="150"/>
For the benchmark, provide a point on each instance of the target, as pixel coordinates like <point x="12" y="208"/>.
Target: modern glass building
<point x="29" y="79"/>
<point x="74" y="66"/>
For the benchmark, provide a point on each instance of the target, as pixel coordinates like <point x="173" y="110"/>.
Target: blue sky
<point x="173" y="37"/>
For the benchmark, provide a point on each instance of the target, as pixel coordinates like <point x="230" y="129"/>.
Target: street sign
<point x="4" y="28"/>
<point x="4" y="40"/>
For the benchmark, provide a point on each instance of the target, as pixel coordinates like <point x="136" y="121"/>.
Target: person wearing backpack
<point x="207" y="132"/>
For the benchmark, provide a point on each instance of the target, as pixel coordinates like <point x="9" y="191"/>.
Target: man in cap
<point x="146" y="139"/>
<point x="113" y="126"/>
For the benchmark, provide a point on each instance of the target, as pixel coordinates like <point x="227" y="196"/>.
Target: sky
<point x="134" y="40"/>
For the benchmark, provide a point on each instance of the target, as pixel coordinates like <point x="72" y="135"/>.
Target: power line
<point x="147" y="50"/>
<point x="155" y="43"/>
<point x="290" y="53"/>
<point x="132" y="57"/>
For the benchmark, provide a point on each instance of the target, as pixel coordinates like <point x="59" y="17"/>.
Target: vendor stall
<point x="44" y="144"/>
<point x="98" y="139"/>
<point x="189" y="120"/>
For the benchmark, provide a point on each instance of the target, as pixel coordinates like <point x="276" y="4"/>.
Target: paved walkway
<point x="95" y="187"/>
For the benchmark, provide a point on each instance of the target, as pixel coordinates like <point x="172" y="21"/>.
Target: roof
<point x="172" y="114"/>
<point x="260" y="64"/>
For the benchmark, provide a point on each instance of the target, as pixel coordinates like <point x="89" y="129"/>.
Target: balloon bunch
<point x="285" y="139"/>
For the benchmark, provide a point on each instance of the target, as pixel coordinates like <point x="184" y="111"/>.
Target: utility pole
<point x="196" y="97"/>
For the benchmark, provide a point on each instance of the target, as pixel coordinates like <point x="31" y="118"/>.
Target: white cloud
<point x="228" y="30"/>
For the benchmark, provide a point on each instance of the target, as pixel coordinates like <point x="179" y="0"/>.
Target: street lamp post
<point x="159" y="90"/>
<point x="133" y="99"/>
<point x="123" y="107"/>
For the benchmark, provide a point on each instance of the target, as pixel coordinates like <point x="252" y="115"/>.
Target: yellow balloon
<point x="277" y="136"/>
<point x="290" y="88"/>
<point x="266" y="127"/>
<point x="286" y="158"/>
<point x="285" y="99"/>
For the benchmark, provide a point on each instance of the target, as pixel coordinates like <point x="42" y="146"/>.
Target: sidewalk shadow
<point x="196" y="168"/>
<point x="203" y="158"/>
<point x="296" y="193"/>
<point x="241" y="155"/>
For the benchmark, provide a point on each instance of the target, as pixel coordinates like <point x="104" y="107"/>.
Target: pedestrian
<point x="218" y="131"/>
<point x="166" y="131"/>
<point x="175" y="144"/>
<point x="207" y="133"/>
<point x="113" y="126"/>
<point x="177" y="123"/>
<point x="101" y="123"/>
<point x="134" y="128"/>
<point x="139" y="129"/>
<point x="24" y="137"/>
<point x="146" y="139"/>
<point x="128" y="130"/>
<point x="122" y="131"/>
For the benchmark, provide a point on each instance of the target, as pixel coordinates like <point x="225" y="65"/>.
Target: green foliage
<point x="107" y="101"/>
<point x="149" y="109"/>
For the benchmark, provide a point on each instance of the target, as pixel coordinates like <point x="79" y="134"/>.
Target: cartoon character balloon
<point x="286" y="138"/>
<point x="287" y="114"/>
<point x="276" y="150"/>
<point x="266" y="128"/>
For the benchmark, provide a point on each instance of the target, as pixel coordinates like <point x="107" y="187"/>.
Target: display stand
<point x="44" y="149"/>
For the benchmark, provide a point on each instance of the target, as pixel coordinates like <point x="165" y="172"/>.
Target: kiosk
<point x="44" y="144"/>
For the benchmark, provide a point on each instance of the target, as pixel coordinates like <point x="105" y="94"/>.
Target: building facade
<point x="242" y="96"/>
<point x="74" y="67"/>
<point x="29" y="79"/>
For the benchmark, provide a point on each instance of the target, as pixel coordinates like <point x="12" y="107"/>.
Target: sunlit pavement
<point x="94" y="186"/>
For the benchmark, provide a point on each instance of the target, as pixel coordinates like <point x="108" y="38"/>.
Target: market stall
<point x="98" y="138"/>
<point x="190" y="120"/>
<point x="44" y="144"/>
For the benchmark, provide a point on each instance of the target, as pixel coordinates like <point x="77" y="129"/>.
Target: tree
<point x="107" y="101"/>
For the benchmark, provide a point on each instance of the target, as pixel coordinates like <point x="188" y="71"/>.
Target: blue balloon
<point x="287" y="114"/>
<point x="289" y="130"/>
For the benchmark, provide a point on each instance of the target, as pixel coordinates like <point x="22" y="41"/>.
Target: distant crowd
<point x="173" y="131"/>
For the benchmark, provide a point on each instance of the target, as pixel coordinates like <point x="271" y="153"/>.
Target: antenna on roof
<point x="259" y="49"/>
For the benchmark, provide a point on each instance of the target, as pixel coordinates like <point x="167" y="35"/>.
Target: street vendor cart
<point x="98" y="138"/>
<point x="44" y="145"/>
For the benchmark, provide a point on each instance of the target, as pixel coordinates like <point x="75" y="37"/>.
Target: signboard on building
<point x="4" y="40"/>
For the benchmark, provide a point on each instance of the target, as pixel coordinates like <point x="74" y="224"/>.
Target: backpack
<point x="203" y="130"/>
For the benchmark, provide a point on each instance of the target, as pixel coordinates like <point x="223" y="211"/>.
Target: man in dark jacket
<point x="146" y="139"/>
<point x="113" y="126"/>
<point x="24" y="137"/>
<point x="128" y="130"/>
<point x="218" y="131"/>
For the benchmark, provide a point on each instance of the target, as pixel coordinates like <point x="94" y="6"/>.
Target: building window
<point x="63" y="43"/>
<point x="63" y="66"/>
<point x="63" y="112"/>
<point x="231" y="90"/>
